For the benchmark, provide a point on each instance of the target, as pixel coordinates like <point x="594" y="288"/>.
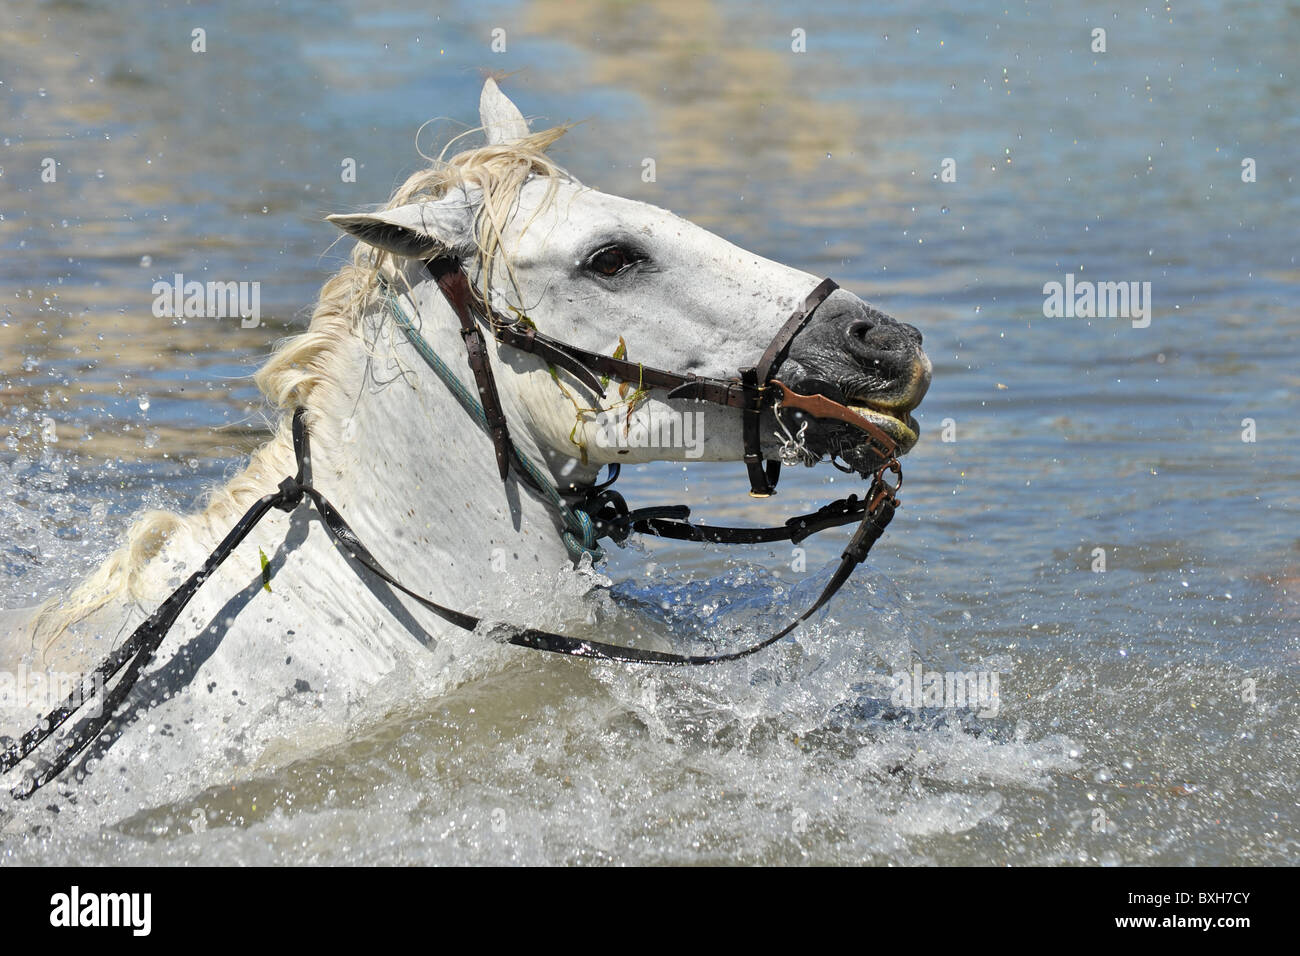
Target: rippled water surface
<point x="1160" y="692"/>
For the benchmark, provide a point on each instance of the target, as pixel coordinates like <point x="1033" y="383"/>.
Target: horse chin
<point x="898" y="425"/>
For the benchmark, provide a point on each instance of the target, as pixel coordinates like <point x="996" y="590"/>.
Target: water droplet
<point x="143" y="402"/>
<point x="146" y="262"/>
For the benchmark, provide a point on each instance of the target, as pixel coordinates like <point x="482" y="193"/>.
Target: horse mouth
<point x="892" y="414"/>
<point x="896" y="423"/>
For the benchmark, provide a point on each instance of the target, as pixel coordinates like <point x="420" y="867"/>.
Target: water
<point x="1155" y="697"/>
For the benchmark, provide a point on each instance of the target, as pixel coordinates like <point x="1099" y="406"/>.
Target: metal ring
<point x="896" y="468"/>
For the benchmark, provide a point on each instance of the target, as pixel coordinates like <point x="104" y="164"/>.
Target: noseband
<point x="603" y="511"/>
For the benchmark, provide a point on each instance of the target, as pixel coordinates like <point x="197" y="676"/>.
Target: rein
<point x="602" y="513"/>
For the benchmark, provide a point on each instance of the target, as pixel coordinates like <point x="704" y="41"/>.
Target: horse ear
<point x="418" y="230"/>
<point x="501" y="119"/>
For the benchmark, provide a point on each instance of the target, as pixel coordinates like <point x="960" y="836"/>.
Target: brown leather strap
<point x="644" y="376"/>
<point x="451" y="280"/>
<point x="819" y="406"/>
<point x="780" y="347"/>
<point x="527" y="339"/>
<point x="731" y="392"/>
<point x="583" y="364"/>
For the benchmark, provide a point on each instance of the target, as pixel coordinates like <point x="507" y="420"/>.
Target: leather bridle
<point x="754" y="390"/>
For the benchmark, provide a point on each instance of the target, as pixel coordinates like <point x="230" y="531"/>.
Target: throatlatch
<point x="603" y="512"/>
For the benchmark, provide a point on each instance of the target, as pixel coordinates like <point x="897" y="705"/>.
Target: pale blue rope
<point x="579" y="536"/>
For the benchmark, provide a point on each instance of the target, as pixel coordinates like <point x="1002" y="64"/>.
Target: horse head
<point x="615" y="276"/>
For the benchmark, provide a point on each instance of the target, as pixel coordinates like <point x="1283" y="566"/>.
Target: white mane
<point x="304" y="367"/>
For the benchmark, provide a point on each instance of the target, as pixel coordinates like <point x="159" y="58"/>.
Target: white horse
<point x="256" y="672"/>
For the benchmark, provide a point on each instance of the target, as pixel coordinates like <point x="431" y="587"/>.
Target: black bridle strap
<point x="841" y="512"/>
<point x="869" y="531"/>
<point x="138" y="650"/>
<point x="762" y="483"/>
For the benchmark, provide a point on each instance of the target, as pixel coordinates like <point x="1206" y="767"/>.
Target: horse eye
<point x="611" y="260"/>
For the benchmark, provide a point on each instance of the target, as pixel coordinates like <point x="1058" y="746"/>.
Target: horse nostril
<point x="871" y="336"/>
<point x="859" y="328"/>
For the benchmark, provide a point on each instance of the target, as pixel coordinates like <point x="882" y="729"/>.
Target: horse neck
<point x="410" y="471"/>
<point x="414" y="473"/>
